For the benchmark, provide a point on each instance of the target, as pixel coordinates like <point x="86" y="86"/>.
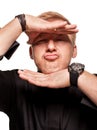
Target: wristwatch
<point x="75" y="69"/>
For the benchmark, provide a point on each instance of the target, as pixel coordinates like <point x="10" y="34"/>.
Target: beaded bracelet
<point x="22" y="21"/>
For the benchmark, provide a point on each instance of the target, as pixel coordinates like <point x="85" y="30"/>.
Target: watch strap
<point x="73" y="79"/>
<point x="75" y="69"/>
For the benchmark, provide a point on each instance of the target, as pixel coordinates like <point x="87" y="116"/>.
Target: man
<point x="60" y="96"/>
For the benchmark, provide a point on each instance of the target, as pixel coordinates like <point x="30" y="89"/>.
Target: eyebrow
<point x="44" y="36"/>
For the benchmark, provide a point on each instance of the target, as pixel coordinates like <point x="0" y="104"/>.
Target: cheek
<point x="66" y="55"/>
<point x="37" y="54"/>
<point x="67" y="51"/>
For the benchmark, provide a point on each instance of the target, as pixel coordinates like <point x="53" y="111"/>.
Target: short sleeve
<point x="11" y="51"/>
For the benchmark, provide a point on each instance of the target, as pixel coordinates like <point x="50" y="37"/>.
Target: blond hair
<point x="55" y="15"/>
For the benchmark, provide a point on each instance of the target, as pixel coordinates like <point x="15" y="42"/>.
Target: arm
<point x="87" y="82"/>
<point x="8" y="34"/>
<point x="11" y="31"/>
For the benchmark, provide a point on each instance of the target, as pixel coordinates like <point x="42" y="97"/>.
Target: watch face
<point x="77" y="67"/>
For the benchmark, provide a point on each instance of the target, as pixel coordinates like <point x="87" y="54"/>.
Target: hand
<point x="39" y="25"/>
<point x="59" y="79"/>
<point x="36" y="25"/>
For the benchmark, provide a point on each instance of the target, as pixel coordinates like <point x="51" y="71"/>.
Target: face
<point x="52" y="52"/>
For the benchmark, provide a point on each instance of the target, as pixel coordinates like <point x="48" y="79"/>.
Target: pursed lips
<point x="51" y="56"/>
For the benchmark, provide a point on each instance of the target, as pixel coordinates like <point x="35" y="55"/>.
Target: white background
<point x="80" y="12"/>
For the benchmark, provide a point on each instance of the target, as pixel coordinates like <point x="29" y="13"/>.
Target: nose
<point x="51" y="45"/>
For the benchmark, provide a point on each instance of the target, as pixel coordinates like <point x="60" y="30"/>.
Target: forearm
<point x="8" y="34"/>
<point x="87" y="83"/>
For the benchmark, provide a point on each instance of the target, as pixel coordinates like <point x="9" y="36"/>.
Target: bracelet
<point x="22" y="21"/>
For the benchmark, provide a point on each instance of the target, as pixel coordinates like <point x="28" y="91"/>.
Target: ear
<point x="74" y="51"/>
<point x="31" y="52"/>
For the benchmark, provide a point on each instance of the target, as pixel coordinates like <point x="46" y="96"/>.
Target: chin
<point x="50" y="71"/>
<point x="47" y="69"/>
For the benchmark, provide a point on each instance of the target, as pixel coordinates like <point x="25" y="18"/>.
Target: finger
<point x="55" y="24"/>
<point x="34" y="77"/>
<point x="70" y="26"/>
<point x="32" y="73"/>
<point x="66" y="29"/>
<point x="63" y="31"/>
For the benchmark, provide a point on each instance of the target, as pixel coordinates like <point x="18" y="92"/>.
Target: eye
<point x="42" y="41"/>
<point x="59" y="39"/>
<point x="62" y="39"/>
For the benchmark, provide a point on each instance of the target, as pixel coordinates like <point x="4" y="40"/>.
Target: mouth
<point x="51" y="57"/>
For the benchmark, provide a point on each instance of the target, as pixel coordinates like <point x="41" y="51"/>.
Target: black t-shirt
<point x="32" y="107"/>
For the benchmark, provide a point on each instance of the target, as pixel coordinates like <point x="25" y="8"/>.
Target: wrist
<point x="75" y="70"/>
<point x="22" y="20"/>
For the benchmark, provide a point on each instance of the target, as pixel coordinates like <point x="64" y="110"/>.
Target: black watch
<point x="75" y="69"/>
